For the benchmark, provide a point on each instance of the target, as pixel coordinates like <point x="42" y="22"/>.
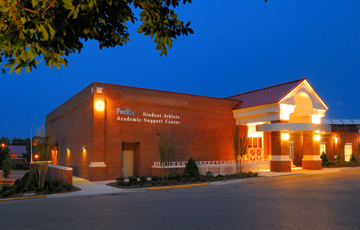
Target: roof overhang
<point x="321" y="128"/>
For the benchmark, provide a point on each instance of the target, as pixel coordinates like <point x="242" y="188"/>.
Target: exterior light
<point x="317" y="137"/>
<point x="36" y="156"/>
<point x="285" y="136"/>
<point x="3" y="145"/>
<point x="83" y="148"/>
<point x="99" y="105"/>
<point x="335" y="139"/>
<point x="316" y="119"/>
<point x="67" y="149"/>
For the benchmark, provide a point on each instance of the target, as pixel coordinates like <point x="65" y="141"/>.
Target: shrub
<point x="133" y="180"/>
<point x="8" y="192"/>
<point x="178" y="177"/>
<point x="209" y="175"/>
<point x="353" y="159"/>
<point x="120" y="179"/>
<point x="171" y="176"/>
<point x="219" y="177"/>
<point x="156" y="178"/>
<point x="143" y="179"/>
<point x="324" y="159"/>
<point x="186" y="176"/>
<point x="337" y="159"/>
<point x="191" y="168"/>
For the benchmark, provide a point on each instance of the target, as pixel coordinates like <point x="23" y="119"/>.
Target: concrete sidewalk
<point x="300" y="171"/>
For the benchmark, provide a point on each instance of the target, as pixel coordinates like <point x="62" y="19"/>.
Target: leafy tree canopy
<point x="50" y="30"/>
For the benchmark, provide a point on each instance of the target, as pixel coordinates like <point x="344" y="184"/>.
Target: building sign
<point x="129" y="115"/>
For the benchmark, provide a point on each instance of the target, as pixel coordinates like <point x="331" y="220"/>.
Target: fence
<point x="219" y="167"/>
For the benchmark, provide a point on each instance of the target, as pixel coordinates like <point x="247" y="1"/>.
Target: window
<point x="255" y="145"/>
<point x="291" y="149"/>
<point x="348" y="151"/>
<point x="322" y="147"/>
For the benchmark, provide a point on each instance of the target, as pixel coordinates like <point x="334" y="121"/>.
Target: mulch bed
<point x="149" y="185"/>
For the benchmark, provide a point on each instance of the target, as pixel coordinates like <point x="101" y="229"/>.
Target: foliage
<point x="167" y="150"/>
<point x="156" y="178"/>
<point x="240" y="146"/>
<point x="172" y="176"/>
<point x="36" y="30"/>
<point x="4" y="152"/>
<point x="324" y="159"/>
<point x="341" y="146"/>
<point x="209" y="175"/>
<point x="353" y="159"/>
<point x="143" y="179"/>
<point x="6" y="166"/>
<point x="191" y="168"/>
<point x="44" y="146"/>
<point x="5" y="140"/>
<point x="357" y="147"/>
<point x="19" y="141"/>
<point x="133" y="180"/>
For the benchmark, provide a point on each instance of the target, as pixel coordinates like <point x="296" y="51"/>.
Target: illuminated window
<point x="348" y="151"/>
<point x="322" y="147"/>
<point x="291" y="149"/>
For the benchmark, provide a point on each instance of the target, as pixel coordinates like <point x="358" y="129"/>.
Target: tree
<point x="19" y="141"/>
<point x="4" y="152"/>
<point x="240" y="145"/>
<point x="167" y="150"/>
<point x="44" y="145"/>
<point x="50" y="30"/>
<point x="191" y="168"/>
<point x="341" y="146"/>
<point x="6" y="166"/>
<point x="5" y="141"/>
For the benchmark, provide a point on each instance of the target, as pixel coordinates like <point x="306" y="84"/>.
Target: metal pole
<point x="31" y="159"/>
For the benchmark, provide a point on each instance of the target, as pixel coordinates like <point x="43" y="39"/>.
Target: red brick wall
<point x="73" y="126"/>
<point x="204" y="131"/>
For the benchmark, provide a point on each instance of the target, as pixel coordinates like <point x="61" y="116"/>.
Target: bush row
<point x="337" y="162"/>
<point x="28" y="183"/>
<point x="173" y="178"/>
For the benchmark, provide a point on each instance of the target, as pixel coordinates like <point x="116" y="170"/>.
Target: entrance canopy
<point x="291" y="102"/>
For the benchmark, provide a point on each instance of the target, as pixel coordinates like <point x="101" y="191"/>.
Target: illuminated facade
<point x="106" y="131"/>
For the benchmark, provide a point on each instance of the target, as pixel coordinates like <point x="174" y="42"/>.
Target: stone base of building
<point x="312" y="164"/>
<point x="280" y="166"/>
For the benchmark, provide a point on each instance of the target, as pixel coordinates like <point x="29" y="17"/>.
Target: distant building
<point x="106" y="130"/>
<point x="17" y="151"/>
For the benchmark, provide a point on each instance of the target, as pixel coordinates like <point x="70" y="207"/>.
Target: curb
<point x="179" y="186"/>
<point x="23" y="198"/>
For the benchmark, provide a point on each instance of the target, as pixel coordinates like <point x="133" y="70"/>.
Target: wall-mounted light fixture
<point x="317" y="137"/>
<point x="99" y="105"/>
<point x="83" y="148"/>
<point x="335" y="139"/>
<point x="285" y="136"/>
<point x="67" y="149"/>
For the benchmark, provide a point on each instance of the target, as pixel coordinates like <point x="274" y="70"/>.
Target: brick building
<point x="106" y="131"/>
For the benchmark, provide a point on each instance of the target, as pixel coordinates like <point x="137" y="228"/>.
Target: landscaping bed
<point x="27" y="187"/>
<point x="172" y="179"/>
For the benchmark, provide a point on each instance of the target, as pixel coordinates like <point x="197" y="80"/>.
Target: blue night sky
<point x="238" y="46"/>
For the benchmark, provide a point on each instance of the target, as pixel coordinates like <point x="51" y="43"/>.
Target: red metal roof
<point x="268" y="95"/>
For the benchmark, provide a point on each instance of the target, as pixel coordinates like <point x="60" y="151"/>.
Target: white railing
<point x="220" y="167"/>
